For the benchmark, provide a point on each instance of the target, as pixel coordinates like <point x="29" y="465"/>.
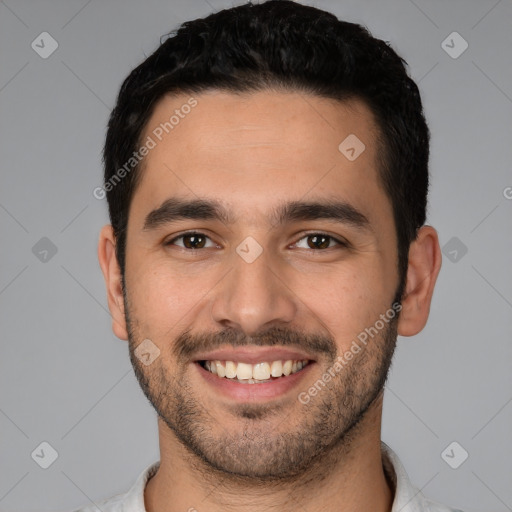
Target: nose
<point x="254" y="296"/>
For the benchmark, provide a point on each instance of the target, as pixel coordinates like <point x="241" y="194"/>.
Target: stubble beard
<point x="275" y="442"/>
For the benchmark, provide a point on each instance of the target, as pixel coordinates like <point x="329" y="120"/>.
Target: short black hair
<point x="279" y="44"/>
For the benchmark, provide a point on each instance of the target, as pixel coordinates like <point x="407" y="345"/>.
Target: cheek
<point x="345" y="302"/>
<point x="163" y="300"/>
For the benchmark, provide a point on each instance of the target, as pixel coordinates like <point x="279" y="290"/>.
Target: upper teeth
<point x="258" y="371"/>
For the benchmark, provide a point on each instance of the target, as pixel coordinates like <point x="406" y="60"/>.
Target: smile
<point x="254" y="382"/>
<point x="257" y="373"/>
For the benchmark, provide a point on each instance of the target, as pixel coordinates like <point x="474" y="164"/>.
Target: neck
<point x="348" y="478"/>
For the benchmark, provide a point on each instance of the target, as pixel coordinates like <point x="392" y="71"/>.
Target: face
<point x="253" y="241"/>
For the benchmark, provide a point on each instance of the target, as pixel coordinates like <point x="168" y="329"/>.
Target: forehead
<point x="305" y="124"/>
<point x="249" y="149"/>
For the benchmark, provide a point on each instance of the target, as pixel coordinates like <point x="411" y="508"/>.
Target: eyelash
<point x="339" y="242"/>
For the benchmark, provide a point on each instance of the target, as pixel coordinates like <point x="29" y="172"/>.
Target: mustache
<point x="187" y="345"/>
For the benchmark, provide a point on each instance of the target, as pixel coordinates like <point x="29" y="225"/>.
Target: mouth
<point x="259" y="373"/>
<point x="254" y="374"/>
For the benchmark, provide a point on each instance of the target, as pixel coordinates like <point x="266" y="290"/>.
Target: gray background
<point x="65" y="379"/>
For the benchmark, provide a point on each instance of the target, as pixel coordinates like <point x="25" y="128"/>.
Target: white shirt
<point x="407" y="497"/>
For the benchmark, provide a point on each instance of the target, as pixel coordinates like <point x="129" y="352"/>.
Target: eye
<point x="191" y="240"/>
<point x="320" y="241"/>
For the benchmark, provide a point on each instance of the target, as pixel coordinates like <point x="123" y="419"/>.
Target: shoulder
<point x="407" y="498"/>
<point x="434" y="506"/>
<point x="130" y="501"/>
<point x="113" y="504"/>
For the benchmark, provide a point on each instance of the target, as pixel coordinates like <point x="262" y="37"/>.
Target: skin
<point x="252" y="152"/>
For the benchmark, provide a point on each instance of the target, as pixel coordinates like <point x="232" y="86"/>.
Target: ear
<point x="422" y="272"/>
<point x="112" y="275"/>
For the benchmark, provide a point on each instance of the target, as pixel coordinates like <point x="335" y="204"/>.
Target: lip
<point x="265" y="391"/>
<point x="253" y="355"/>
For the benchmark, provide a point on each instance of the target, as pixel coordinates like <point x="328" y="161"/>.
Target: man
<point x="266" y="171"/>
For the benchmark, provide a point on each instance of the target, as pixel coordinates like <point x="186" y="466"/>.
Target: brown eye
<point x="191" y="241"/>
<point x="318" y="241"/>
<point x="194" y="241"/>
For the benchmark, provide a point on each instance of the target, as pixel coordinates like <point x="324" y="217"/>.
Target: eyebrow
<point x="175" y="209"/>
<point x="337" y="211"/>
